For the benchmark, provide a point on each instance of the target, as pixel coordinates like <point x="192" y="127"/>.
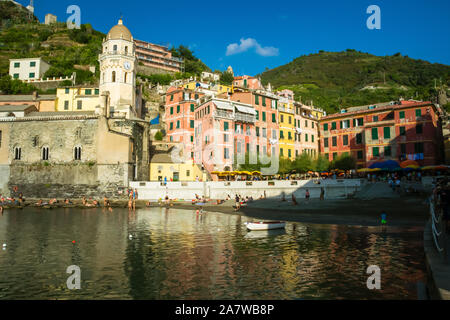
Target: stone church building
<point x="75" y="154"/>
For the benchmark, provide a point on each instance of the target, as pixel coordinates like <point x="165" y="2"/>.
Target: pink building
<point x="224" y="133"/>
<point x="179" y="117"/>
<point x="306" y="130"/>
<point x="247" y="82"/>
<point x="266" y="125"/>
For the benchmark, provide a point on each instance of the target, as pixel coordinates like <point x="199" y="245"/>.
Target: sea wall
<point x="334" y="189"/>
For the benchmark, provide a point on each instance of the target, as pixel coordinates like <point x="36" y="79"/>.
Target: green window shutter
<point x="312" y="138"/>
<point x="257" y="115"/>
<point x="276" y="104"/>
<point x="256" y="99"/>
<point x="387" y="151"/>
<point x="178" y="123"/>
<point x="387" y="132"/>
<point x="192" y="108"/>
<point x="225" y="126"/>
<point x="274" y="118"/>
<point x="264" y="101"/>
<point x="325" y="143"/>
<point x="374" y="133"/>
<point x="178" y="109"/>
<point x="192" y="138"/>
<point x="402" y="131"/>
<point x="376" y="151"/>
<point x="171" y="110"/>
<point x="354" y="122"/>
<point x="345" y="140"/>
<point x="264" y="116"/>
<point x="257" y="131"/>
<point x="333" y="126"/>
<point x="171" y="97"/>
<point x="418" y="112"/>
<point x="360" y="154"/>
<point x="401" y="114"/>
<point x="358" y="138"/>
<point x="96" y="91"/>
<point x="192" y="123"/>
<point x="171" y="126"/>
<point x="325" y="127"/>
<point x="306" y="137"/>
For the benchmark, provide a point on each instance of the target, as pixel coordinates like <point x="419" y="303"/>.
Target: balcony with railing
<point x="287" y="110"/>
<point x="245" y="118"/>
<point x="223" y="114"/>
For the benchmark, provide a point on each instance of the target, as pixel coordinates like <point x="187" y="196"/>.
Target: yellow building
<point x="219" y="88"/>
<point x="162" y="166"/>
<point x="287" y="129"/>
<point x="318" y="113"/>
<point x="84" y="98"/>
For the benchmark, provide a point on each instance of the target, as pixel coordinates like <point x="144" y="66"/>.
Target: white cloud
<point x="249" y="43"/>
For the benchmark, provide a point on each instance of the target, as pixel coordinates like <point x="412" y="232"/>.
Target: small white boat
<point x="265" y="225"/>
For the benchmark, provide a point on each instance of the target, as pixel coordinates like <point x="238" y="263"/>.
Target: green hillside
<point x="350" y="78"/>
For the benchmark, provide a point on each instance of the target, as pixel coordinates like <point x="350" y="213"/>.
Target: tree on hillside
<point x="15" y="86"/>
<point x="192" y="64"/>
<point x="226" y="78"/>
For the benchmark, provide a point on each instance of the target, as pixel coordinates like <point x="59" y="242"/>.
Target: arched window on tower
<point x="113" y="76"/>
<point x="45" y="153"/>
<point x="125" y="77"/>
<point x="126" y="50"/>
<point x="115" y="49"/>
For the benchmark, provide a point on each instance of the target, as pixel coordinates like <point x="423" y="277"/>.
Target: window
<point x="263" y="116"/>
<point x="325" y="127"/>
<point x="225" y="137"/>
<point x="178" y="109"/>
<point x="281" y="134"/>
<point x="88" y="91"/>
<point x="171" y="126"/>
<point x="126" y="50"/>
<point x="334" y="141"/>
<point x="171" y="97"/>
<point x="113" y="76"/>
<point x="125" y="77"/>
<point x="225" y="126"/>
<point x="79" y="104"/>
<point x="325" y="142"/>
<point x="32" y="63"/>
<point x="387" y="132"/>
<point x="66" y="105"/>
<point x="264" y="132"/>
<point x="191" y="123"/>
<point x="281" y="118"/>
<point x="45" y="153"/>
<point x="375" y="118"/>
<point x="281" y="151"/>
<point x="257" y="115"/>
<point x="171" y="110"/>
<point x="17" y="153"/>
<point x="289" y="153"/>
<point x="274" y="119"/>
<point x="196" y="96"/>
<point x="306" y="123"/>
<point x="66" y="90"/>
<point x="419" y="128"/>
<point x="115" y="48"/>
<point x="188" y="173"/>
<point x="16" y="64"/>
<point x="359" y="154"/>
<point x="358" y="138"/>
<point x="96" y="91"/>
<point x="274" y="134"/>
<point x="178" y="124"/>
<point x="31" y="75"/>
<point x="418" y="147"/>
<point x="402" y="131"/>
<point x="257" y="131"/>
<point x="333" y="126"/>
<point x="256" y="99"/>
<point x="226" y="153"/>
<point x="403" y="148"/>
<point x="401" y="114"/>
<point x="289" y="135"/>
<point x="264" y="101"/>
<point x="192" y="138"/>
<point x="306" y="137"/>
<point x="374" y="133"/>
<point x="192" y="108"/>
<point x="77" y="153"/>
<point x="312" y="138"/>
<point x="345" y="140"/>
<point x="418" y="113"/>
<point x="376" y="151"/>
<point x="387" y="151"/>
<point x="16" y="76"/>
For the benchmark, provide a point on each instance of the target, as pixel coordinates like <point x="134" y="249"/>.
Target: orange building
<point x="158" y="57"/>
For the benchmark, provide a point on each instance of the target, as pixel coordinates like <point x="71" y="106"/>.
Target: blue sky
<point x="273" y="32"/>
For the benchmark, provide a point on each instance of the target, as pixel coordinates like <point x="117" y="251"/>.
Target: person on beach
<point x="83" y="200"/>
<point x="1" y="210"/>
<point x="383" y="219"/>
<point x="238" y="203"/>
<point x="307" y="195"/>
<point x="130" y="204"/>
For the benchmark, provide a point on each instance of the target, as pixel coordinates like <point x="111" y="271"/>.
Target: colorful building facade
<point x="157" y="57"/>
<point x="85" y="98"/>
<point x="389" y="131"/>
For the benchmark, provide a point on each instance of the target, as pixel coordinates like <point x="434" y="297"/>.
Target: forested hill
<point x="336" y="79"/>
